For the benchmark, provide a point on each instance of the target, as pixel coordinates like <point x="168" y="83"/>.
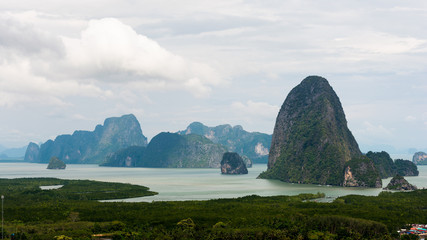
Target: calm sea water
<point x="191" y="184"/>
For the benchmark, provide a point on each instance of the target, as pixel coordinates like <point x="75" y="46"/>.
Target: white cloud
<point x="256" y="108"/>
<point x="111" y="51"/>
<point x="18" y="84"/>
<point x="44" y="68"/>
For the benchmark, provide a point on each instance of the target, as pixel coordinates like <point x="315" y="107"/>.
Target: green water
<point x="191" y="184"/>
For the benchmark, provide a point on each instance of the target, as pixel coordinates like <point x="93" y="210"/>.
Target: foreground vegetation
<point x="70" y="212"/>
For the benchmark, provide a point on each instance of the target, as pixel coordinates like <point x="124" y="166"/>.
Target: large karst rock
<point x="420" y="158"/>
<point x="232" y="163"/>
<point x="172" y="150"/>
<point x="253" y="145"/>
<point x="311" y="141"/>
<point x="32" y="152"/>
<point x="56" y="163"/>
<point x="91" y="147"/>
<point x="406" y="168"/>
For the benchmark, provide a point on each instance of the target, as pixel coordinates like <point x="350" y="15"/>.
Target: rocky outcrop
<point x="232" y="163"/>
<point x="254" y="145"/>
<point x="389" y="168"/>
<point x="56" y="163"/>
<point x="126" y="157"/>
<point x="399" y="183"/>
<point x="405" y="168"/>
<point x="171" y="150"/>
<point x="92" y="147"/>
<point x="32" y="152"/>
<point x="311" y="142"/>
<point x="361" y="172"/>
<point x="420" y="158"/>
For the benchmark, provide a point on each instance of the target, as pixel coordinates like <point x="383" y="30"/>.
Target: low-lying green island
<point x="72" y="212"/>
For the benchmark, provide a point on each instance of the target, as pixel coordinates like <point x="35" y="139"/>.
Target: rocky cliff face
<point x="399" y="183"/>
<point x="254" y="145"/>
<point x="232" y="163"/>
<point x="311" y="142"/>
<point x="361" y="172"/>
<point x="93" y="147"/>
<point x="420" y="158"/>
<point x="32" y="152"/>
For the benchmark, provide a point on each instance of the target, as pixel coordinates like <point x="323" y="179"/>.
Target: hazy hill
<point x="254" y="145"/>
<point x="90" y="146"/>
<point x="171" y="150"/>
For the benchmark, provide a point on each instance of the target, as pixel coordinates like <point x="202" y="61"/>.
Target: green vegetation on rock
<point x="406" y="168"/>
<point x="56" y="163"/>
<point x="383" y="163"/>
<point x="389" y="168"/>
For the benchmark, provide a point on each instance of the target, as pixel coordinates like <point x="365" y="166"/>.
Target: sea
<point x="180" y="184"/>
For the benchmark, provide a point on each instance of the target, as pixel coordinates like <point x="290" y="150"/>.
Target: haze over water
<point x="191" y="183"/>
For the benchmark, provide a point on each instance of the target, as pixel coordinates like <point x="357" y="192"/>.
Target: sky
<point x="68" y="65"/>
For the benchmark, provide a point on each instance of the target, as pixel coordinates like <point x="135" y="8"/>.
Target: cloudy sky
<point x="68" y="65"/>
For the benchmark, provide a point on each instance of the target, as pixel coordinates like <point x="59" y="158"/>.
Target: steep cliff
<point x="311" y="142"/>
<point x="92" y="147"/>
<point x="32" y="152"/>
<point x="420" y="158"/>
<point x="254" y="145"/>
<point x="361" y="172"/>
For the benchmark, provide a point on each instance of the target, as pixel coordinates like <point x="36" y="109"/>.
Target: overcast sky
<point x="68" y="65"/>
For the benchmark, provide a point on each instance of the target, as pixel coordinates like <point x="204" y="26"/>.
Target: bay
<point x="192" y="183"/>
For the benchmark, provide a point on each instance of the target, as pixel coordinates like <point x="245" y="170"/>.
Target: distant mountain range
<point x="6" y="153"/>
<point x="90" y="147"/>
<point x="171" y="150"/>
<point x="253" y="145"/>
<point x="120" y="142"/>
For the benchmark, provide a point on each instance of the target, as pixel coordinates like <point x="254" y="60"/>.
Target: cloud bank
<point x="40" y="67"/>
